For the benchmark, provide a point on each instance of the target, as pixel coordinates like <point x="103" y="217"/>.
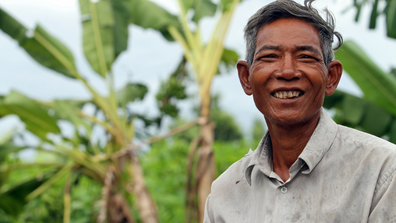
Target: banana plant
<point x="115" y="165"/>
<point x="389" y="12"/>
<point x="376" y="111"/>
<point x="204" y="59"/>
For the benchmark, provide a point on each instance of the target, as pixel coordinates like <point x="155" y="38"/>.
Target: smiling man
<point x="306" y="168"/>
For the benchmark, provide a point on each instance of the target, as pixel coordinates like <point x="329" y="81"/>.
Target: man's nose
<point x="287" y="69"/>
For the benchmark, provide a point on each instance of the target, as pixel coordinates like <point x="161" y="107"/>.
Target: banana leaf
<point x="147" y="14"/>
<point x="359" y="113"/>
<point x="40" y="45"/>
<point x="32" y="114"/>
<point x="98" y="35"/>
<point x="13" y="200"/>
<point x="378" y="86"/>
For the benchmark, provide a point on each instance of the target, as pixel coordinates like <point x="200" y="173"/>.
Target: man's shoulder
<point x="365" y="140"/>
<point x="371" y="152"/>
<point x="235" y="174"/>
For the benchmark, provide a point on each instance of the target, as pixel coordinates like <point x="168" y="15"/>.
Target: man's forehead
<point x="301" y="34"/>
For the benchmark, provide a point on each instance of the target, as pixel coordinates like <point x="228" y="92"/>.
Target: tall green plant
<point x="376" y="111"/>
<point x="204" y="59"/>
<point x="114" y="165"/>
<point x="389" y="12"/>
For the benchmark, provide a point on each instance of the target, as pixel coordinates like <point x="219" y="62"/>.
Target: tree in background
<point x="113" y="163"/>
<point x="203" y="59"/>
<point x="376" y="111"/>
<point x="258" y="130"/>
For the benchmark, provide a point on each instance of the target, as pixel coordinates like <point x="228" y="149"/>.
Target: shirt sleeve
<point x="207" y="217"/>
<point x="384" y="202"/>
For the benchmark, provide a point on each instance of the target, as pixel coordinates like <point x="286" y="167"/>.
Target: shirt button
<point x="284" y="190"/>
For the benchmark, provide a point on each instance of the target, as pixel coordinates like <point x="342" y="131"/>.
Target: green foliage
<point x="36" y="118"/>
<point x="40" y="45"/>
<point x="173" y="90"/>
<point x="378" y="86"/>
<point x="130" y="93"/>
<point x="229" y="59"/>
<point x="49" y="206"/>
<point x="228" y="153"/>
<point x="170" y="91"/>
<point x="389" y="11"/>
<point x="14" y="197"/>
<point x="361" y="114"/>
<point x="105" y="36"/>
<point x="147" y="14"/>
<point x="375" y="113"/>
<point x="258" y="130"/>
<point x="12" y="27"/>
<point x="203" y="8"/>
<point x="226" y="127"/>
<point x="165" y="171"/>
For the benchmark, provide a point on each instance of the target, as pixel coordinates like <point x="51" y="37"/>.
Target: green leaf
<point x="187" y="4"/>
<point x="392" y="132"/>
<point x="378" y="87"/>
<point x="8" y="148"/>
<point x="374" y="15"/>
<point x="376" y="121"/>
<point x="49" y="52"/>
<point x="360" y="113"/>
<point x="229" y="59"/>
<point x="333" y="100"/>
<point x="147" y="14"/>
<point x="7" y="136"/>
<point x="203" y="8"/>
<point x="48" y="183"/>
<point x="121" y="22"/>
<point x="98" y="36"/>
<point x="354" y="109"/>
<point x="130" y="93"/>
<point x="393" y="72"/>
<point x="36" y="118"/>
<point x="226" y="5"/>
<point x="359" y="9"/>
<point x="391" y="19"/>
<point x="44" y="48"/>
<point x="67" y="111"/>
<point x="171" y="91"/>
<point x="12" y="27"/>
<point x="13" y="200"/>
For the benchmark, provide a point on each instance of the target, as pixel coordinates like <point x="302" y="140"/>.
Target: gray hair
<point x="290" y="9"/>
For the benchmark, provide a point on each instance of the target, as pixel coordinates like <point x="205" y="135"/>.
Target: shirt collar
<point x="317" y="146"/>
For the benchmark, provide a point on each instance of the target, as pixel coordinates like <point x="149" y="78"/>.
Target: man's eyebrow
<point x="308" y="48"/>
<point x="267" y="47"/>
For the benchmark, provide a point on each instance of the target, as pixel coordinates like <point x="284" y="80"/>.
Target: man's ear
<point x="243" y="73"/>
<point x="334" y="76"/>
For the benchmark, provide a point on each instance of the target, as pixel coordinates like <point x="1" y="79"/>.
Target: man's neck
<point x="288" y="142"/>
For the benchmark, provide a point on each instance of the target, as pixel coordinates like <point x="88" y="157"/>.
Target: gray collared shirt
<point x="342" y="175"/>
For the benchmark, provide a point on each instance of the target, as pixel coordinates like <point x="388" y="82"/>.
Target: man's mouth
<point x="287" y="94"/>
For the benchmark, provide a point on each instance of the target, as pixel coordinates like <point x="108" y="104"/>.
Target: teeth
<point x="287" y="94"/>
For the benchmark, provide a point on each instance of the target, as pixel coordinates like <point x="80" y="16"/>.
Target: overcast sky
<point x="150" y="59"/>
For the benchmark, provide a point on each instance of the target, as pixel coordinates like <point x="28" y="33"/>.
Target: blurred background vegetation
<point x="136" y="172"/>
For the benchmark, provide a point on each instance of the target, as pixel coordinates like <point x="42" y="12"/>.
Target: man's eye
<point x="269" y="56"/>
<point x="307" y="57"/>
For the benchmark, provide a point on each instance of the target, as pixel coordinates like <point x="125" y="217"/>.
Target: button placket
<point x="284" y="190"/>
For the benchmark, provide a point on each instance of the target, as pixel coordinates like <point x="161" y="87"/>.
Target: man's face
<point x="288" y="77"/>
